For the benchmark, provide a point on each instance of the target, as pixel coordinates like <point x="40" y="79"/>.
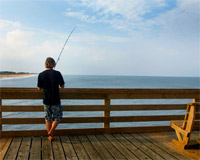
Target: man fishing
<point x="50" y="80"/>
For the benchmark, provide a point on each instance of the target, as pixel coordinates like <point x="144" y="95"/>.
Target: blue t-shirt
<point x="49" y="81"/>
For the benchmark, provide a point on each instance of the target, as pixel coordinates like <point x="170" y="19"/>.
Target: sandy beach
<point x="4" y="76"/>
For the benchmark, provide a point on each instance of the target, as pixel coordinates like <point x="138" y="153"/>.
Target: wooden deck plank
<point x="159" y="143"/>
<point x="79" y="149"/>
<point x="114" y="151"/>
<point x="13" y="149"/>
<point x="148" y="151"/>
<point x="149" y="144"/>
<point x="57" y="149"/>
<point x="23" y="153"/>
<point x="120" y="147"/>
<point x="195" y="135"/>
<point x="4" y="145"/>
<point x="99" y="147"/>
<point x="155" y="145"/>
<point x="90" y="149"/>
<point x="166" y="140"/>
<point x="46" y="149"/>
<point x="68" y="148"/>
<point x="35" y="152"/>
<point x="134" y="149"/>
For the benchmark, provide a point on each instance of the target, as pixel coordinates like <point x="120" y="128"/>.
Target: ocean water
<point x="84" y="81"/>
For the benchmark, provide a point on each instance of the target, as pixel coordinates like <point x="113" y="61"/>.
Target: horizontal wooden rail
<point x="106" y="108"/>
<point x="96" y="119"/>
<point x="40" y="108"/>
<point x="77" y="93"/>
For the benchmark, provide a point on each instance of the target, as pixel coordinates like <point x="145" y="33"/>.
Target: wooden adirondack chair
<point x="183" y="128"/>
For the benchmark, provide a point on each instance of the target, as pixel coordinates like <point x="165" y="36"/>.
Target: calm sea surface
<point x="75" y="81"/>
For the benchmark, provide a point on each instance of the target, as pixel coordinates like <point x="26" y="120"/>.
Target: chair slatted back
<point x="190" y="120"/>
<point x="189" y="117"/>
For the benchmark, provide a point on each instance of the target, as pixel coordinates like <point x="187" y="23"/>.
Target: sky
<point x="112" y="37"/>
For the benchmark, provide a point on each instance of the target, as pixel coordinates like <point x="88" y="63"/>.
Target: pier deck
<point x="156" y="145"/>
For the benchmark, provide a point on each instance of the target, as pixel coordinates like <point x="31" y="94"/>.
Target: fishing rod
<point x="64" y="45"/>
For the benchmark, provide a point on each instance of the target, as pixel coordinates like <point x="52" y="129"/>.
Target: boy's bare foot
<point x="50" y="133"/>
<point x="50" y="138"/>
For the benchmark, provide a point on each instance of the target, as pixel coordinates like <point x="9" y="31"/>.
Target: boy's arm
<point x="39" y="84"/>
<point x="61" y="81"/>
<point x="62" y="86"/>
<point x="39" y="88"/>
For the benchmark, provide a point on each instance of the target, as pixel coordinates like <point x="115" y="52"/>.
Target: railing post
<point x="106" y="113"/>
<point x="196" y="100"/>
<point x="0" y="118"/>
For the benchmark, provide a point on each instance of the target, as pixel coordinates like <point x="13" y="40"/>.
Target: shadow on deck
<point x="107" y="146"/>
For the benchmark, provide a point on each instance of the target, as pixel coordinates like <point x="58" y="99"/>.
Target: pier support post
<point x="106" y="113"/>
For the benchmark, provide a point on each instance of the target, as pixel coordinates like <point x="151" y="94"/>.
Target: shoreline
<point x="16" y="75"/>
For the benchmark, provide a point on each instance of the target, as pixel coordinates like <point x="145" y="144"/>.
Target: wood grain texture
<point x="4" y="145"/>
<point x="35" y="151"/>
<point x="40" y="108"/>
<point x="46" y="149"/>
<point x="68" y="148"/>
<point x="156" y="145"/>
<point x="13" y="149"/>
<point x="95" y="119"/>
<point x="57" y="149"/>
<point x="96" y="93"/>
<point x="23" y="153"/>
<point x="80" y="151"/>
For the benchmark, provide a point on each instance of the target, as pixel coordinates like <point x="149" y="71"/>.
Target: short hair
<point x="50" y="63"/>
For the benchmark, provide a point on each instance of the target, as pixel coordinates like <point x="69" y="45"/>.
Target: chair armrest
<point x="178" y="128"/>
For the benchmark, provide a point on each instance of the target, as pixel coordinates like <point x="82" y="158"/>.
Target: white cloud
<point x="129" y="9"/>
<point x="5" y="24"/>
<point x="135" y="15"/>
<point x="82" y="16"/>
<point x="119" y="14"/>
<point x="16" y="44"/>
<point x="22" y="48"/>
<point x="185" y="16"/>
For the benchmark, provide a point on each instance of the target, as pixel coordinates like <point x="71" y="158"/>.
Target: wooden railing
<point x="95" y="94"/>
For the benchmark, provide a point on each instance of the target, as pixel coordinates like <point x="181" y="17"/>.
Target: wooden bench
<point x="183" y="128"/>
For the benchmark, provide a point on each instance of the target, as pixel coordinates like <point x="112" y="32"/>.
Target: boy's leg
<point x="54" y="125"/>
<point x="57" y="116"/>
<point x="48" y="118"/>
<point x="48" y="126"/>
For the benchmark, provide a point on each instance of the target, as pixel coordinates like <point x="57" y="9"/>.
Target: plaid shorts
<point x="53" y="113"/>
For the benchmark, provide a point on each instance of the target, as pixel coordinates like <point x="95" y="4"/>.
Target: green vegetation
<point x="11" y="72"/>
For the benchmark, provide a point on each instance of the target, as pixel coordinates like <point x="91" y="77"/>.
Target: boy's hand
<point x="62" y="86"/>
<point x="39" y="88"/>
